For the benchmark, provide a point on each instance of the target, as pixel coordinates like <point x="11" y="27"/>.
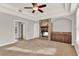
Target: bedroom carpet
<point x="38" y="47"/>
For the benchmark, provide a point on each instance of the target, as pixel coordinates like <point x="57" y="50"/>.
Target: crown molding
<point x="5" y="8"/>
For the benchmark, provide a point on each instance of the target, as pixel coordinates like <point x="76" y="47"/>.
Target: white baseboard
<point x="32" y="38"/>
<point x="8" y="43"/>
<point x="76" y="45"/>
<point x="77" y="50"/>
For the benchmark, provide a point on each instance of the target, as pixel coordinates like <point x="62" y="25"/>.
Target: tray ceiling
<point x="52" y="10"/>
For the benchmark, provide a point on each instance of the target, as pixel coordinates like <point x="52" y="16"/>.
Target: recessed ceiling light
<point x="20" y="10"/>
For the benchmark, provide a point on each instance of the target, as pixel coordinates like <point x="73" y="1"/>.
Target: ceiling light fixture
<point x="20" y="10"/>
<point x="35" y="8"/>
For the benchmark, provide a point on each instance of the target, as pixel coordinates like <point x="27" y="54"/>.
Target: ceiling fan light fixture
<point x="35" y="8"/>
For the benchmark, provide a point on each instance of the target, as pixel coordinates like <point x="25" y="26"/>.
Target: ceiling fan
<point x="36" y="7"/>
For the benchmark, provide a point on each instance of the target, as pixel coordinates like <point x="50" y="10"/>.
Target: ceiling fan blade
<point x="34" y="4"/>
<point x="27" y="7"/>
<point x="33" y="11"/>
<point x="42" y="6"/>
<point x="40" y="10"/>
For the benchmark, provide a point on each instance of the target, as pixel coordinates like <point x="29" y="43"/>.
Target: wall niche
<point x="45" y="29"/>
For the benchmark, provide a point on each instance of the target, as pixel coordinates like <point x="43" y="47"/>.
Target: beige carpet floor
<point x="57" y="48"/>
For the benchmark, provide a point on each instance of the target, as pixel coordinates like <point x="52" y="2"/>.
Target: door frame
<point x="24" y="31"/>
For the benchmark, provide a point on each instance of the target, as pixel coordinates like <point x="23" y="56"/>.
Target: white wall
<point x="61" y="25"/>
<point x="29" y="27"/>
<point x="25" y="27"/>
<point x="36" y="30"/>
<point x="77" y="32"/>
<point x="33" y="30"/>
<point x="30" y="30"/>
<point x="7" y="28"/>
<point x="77" y="25"/>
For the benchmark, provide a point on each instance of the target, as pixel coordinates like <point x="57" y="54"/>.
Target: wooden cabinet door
<point x="64" y="37"/>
